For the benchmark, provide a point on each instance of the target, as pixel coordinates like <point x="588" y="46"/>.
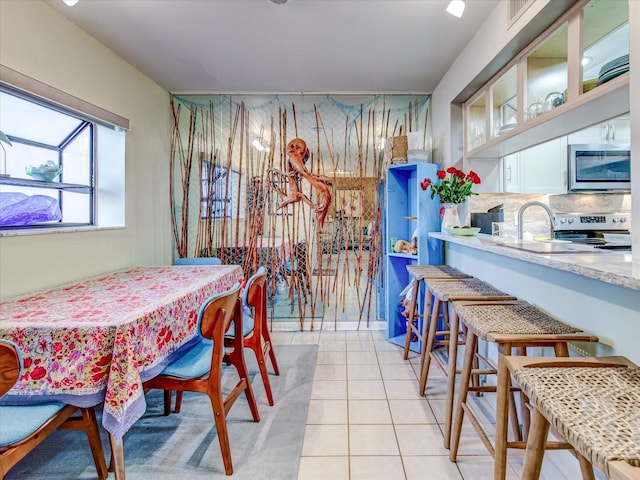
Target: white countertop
<point x="608" y="266"/>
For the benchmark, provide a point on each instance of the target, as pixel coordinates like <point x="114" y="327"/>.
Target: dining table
<point x="96" y="341"/>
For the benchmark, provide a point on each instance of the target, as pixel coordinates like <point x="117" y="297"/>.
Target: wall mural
<point x="292" y="182"/>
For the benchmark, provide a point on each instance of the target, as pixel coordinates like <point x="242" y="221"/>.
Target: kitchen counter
<point x="608" y="266"/>
<point x="595" y="290"/>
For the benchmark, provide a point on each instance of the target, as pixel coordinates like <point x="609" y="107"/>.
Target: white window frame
<point x="107" y="186"/>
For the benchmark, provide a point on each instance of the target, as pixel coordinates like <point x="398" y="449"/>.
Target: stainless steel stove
<point x="602" y="230"/>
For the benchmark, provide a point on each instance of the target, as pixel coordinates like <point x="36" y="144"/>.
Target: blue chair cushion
<point x="18" y="422"/>
<point x="247" y="323"/>
<point x="194" y="363"/>
<point x="197" y="261"/>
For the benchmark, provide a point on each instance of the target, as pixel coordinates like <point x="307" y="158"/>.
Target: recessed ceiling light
<point x="70" y="3"/>
<point x="586" y="60"/>
<point x="279" y="2"/>
<point x="456" y="8"/>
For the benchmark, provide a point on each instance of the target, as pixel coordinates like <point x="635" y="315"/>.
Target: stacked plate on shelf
<point x="613" y="69"/>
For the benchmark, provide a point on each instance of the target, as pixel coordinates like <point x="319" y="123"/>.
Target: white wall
<point x="37" y="41"/>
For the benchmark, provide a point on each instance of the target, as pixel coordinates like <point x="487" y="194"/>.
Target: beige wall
<point x="37" y="41"/>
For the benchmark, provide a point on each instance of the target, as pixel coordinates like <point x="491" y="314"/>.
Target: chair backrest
<point x="197" y="261"/>
<point x="254" y="285"/>
<point x="10" y="365"/>
<point x="255" y="297"/>
<point x="217" y="312"/>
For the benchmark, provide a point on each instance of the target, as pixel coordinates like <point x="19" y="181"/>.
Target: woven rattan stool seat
<point x="516" y="319"/>
<point x="596" y="409"/>
<point x="426" y="272"/>
<point x="470" y="288"/>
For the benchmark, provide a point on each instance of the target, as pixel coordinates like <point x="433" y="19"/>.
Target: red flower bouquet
<point x="454" y="185"/>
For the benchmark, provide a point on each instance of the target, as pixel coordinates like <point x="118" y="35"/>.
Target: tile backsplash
<point x="570" y="203"/>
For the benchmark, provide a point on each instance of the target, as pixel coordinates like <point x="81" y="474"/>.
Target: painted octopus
<point x="298" y="154"/>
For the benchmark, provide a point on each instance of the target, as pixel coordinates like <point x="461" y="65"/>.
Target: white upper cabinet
<point x="540" y="169"/>
<point x="615" y="131"/>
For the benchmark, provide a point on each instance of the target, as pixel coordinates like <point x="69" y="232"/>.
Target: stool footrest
<point x="486" y="389"/>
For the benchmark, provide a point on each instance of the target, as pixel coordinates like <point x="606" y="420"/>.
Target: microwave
<point x="604" y="167"/>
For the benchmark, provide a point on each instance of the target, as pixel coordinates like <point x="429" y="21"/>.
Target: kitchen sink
<point x="550" y="247"/>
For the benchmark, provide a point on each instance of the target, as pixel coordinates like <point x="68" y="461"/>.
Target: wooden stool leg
<point x="524" y="410"/>
<point x="425" y="324"/>
<point x="433" y="327"/>
<point x="465" y="377"/>
<point x="411" y="318"/>
<point x="503" y="403"/>
<point x="585" y="468"/>
<point x="513" y="416"/>
<point x="451" y="378"/>
<point x="561" y="349"/>
<point x="535" y="447"/>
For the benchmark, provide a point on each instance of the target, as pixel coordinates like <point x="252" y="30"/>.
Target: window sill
<point x="46" y="231"/>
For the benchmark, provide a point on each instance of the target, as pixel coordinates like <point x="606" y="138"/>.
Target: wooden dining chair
<point x="200" y="368"/>
<point x="24" y="427"/>
<point x="255" y="330"/>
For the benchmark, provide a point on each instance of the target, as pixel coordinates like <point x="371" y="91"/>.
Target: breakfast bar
<point x="598" y="291"/>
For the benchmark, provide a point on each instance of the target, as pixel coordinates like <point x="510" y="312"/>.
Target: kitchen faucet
<point x="552" y="217"/>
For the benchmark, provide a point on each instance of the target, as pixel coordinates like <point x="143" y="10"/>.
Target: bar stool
<point x="592" y="402"/>
<point x="425" y="273"/>
<point x="445" y="292"/>
<point x="509" y="325"/>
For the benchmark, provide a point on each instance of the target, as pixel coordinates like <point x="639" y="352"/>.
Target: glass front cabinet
<point x="573" y="76"/>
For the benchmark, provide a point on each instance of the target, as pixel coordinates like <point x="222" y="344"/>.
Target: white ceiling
<point x="321" y="46"/>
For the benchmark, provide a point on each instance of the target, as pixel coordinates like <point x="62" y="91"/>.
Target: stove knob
<point x="623" y="219"/>
<point x="615" y="220"/>
<point x="570" y="220"/>
<point x="563" y="220"/>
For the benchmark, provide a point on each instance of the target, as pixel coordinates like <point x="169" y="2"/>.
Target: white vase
<point x="450" y="217"/>
<point x="464" y="217"/>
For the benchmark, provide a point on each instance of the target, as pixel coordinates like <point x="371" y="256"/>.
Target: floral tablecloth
<point x="98" y="340"/>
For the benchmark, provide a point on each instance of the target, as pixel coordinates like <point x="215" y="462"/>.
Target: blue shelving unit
<point x="407" y="208"/>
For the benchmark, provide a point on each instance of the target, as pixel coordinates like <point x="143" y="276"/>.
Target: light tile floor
<point x="366" y="420"/>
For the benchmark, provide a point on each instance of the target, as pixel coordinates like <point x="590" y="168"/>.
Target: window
<point x="49" y="165"/>
<point x="219" y="191"/>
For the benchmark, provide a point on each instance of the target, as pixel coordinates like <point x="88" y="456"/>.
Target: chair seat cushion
<point x="247" y="323"/>
<point x="194" y="363"/>
<point x="18" y="422"/>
